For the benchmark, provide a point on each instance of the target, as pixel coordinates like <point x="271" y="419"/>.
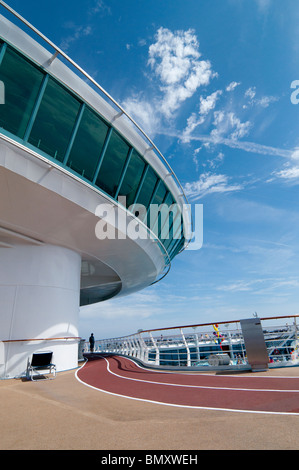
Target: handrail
<point x="218" y="323"/>
<point x="38" y="339"/>
<point x="196" y="325"/>
<point x="74" y="64"/>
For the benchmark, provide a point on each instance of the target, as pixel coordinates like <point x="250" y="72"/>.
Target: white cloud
<point x="295" y="155"/>
<point x="250" y="93"/>
<point x="209" y="183"/>
<point x="206" y="105"/>
<point x="174" y="58"/>
<point x="259" y="286"/>
<point x="232" y="86"/>
<point x="289" y="174"/>
<point x="217" y="160"/>
<point x="264" y="101"/>
<point x="99" y="7"/>
<point x="247" y="146"/>
<point x="143" y="112"/>
<point x="291" y="171"/>
<point x="195" y="157"/>
<point x="238" y="286"/>
<point x="227" y="124"/>
<point x="78" y="33"/>
<point x="228" y="127"/>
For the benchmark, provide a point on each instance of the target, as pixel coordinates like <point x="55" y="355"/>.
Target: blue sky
<point x="210" y="82"/>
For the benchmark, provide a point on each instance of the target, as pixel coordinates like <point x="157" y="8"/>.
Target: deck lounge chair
<point x="40" y="362"/>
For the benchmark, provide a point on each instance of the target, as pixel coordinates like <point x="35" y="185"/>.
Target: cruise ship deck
<point x="65" y="414"/>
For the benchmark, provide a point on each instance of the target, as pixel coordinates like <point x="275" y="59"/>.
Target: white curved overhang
<point x="41" y="202"/>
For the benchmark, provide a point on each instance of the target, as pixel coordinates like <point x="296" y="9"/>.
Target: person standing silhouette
<point x="91" y="342"/>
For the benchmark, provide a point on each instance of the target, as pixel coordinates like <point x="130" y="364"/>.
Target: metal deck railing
<point x="206" y="346"/>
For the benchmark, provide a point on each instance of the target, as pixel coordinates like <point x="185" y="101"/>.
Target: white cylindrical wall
<point x="39" y="291"/>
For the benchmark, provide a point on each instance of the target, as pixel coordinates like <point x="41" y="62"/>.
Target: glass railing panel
<point x="55" y="120"/>
<point x="22" y="82"/>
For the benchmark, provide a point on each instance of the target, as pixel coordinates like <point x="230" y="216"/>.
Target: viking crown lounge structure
<point x="67" y="148"/>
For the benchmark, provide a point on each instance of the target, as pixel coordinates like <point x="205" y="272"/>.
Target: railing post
<point x="231" y="352"/>
<point x="187" y="348"/>
<point x="197" y="347"/>
<point x="129" y="347"/>
<point x="143" y="348"/>
<point x="137" y="347"/>
<point x="157" y="360"/>
<point x="132" y="347"/>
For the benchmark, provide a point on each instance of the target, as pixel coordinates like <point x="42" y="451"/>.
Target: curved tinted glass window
<point x="88" y="143"/>
<point x="52" y="128"/>
<point x="59" y="124"/>
<point x="22" y="83"/>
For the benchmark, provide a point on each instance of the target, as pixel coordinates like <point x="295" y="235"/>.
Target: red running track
<point x="252" y="394"/>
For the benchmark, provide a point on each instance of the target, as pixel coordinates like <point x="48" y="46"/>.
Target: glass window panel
<point x="172" y="227"/>
<point x="160" y="194"/>
<point x="88" y="144"/>
<point x="152" y="219"/>
<point x="55" y="120"/>
<point x="147" y="188"/>
<point x="166" y="224"/>
<point x="155" y="219"/>
<point x="132" y="178"/>
<point x="175" y="234"/>
<point x="112" y="165"/>
<point x="22" y="82"/>
<point x="177" y="248"/>
<point x="169" y="200"/>
<point x="170" y="245"/>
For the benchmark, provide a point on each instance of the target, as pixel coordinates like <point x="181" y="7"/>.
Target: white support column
<point x="39" y="291"/>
